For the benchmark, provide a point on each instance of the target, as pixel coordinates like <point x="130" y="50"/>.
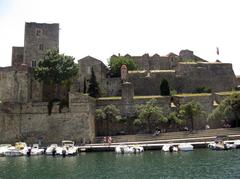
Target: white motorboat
<point x="232" y="144"/>
<point x="12" y="151"/>
<point x="22" y="147"/>
<point x="4" y="148"/>
<point x="218" y="146"/>
<point x="51" y="150"/>
<point x="35" y="150"/>
<point x="128" y="149"/>
<point x="185" y="147"/>
<point x="236" y="143"/>
<point x="169" y="148"/>
<point x="68" y="148"/>
<point x="224" y="145"/>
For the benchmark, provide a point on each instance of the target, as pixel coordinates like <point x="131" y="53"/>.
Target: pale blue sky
<point x="5" y="6"/>
<point x="101" y="28"/>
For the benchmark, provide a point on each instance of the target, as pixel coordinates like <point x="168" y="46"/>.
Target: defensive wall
<point x="217" y="76"/>
<point x="155" y="62"/>
<point x="185" y="78"/>
<point x="148" y="82"/>
<point x="14" y="84"/>
<point x="31" y="122"/>
<point x="168" y="104"/>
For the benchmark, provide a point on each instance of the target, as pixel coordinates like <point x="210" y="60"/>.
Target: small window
<point x="39" y="32"/>
<point x="41" y="47"/>
<point x="34" y="63"/>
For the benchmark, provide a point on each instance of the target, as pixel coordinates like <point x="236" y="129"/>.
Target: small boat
<point x="124" y="149"/>
<point x="68" y="148"/>
<point x="233" y="144"/>
<point x="4" y="148"/>
<point x="224" y="145"/>
<point x="169" y="148"/>
<point x="185" y="147"/>
<point x="51" y="150"/>
<point x="219" y="146"/>
<point x="236" y="143"/>
<point x="35" y="150"/>
<point x="22" y="147"/>
<point x="221" y="143"/>
<point x="12" y="151"/>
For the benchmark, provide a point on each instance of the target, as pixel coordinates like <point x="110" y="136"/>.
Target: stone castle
<point x="23" y="105"/>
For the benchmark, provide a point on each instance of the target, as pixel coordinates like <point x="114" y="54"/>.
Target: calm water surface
<point x="200" y="163"/>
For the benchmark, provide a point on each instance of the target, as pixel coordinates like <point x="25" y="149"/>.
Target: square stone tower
<point x="38" y="38"/>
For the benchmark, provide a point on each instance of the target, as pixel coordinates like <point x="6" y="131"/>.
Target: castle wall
<point x="217" y="76"/>
<point x="17" y="56"/>
<point x="30" y="122"/>
<point x="14" y="85"/>
<point x="111" y="87"/>
<point x="155" y="62"/>
<point x="159" y="63"/>
<point x="149" y="84"/>
<point x="206" y="102"/>
<point x="186" y="78"/>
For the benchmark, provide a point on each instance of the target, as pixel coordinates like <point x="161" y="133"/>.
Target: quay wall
<point x="31" y="122"/>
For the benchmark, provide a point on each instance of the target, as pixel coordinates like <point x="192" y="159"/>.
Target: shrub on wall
<point x="108" y="114"/>
<point x="203" y="89"/>
<point x="228" y="109"/>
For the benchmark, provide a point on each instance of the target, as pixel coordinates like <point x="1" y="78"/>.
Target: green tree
<point x="116" y="62"/>
<point x="93" y="88"/>
<point x="175" y="119"/>
<point x="56" y="69"/>
<point x="150" y="115"/>
<point x="108" y="114"/>
<point x="190" y="111"/>
<point x="228" y="109"/>
<point x="164" y="88"/>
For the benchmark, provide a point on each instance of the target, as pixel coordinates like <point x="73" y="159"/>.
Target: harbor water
<point x="200" y="163"/>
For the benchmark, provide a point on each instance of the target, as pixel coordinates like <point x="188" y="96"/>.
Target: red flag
<point x="217" y="51"/>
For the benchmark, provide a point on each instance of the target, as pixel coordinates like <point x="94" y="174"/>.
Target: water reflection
<point x="150" y="164"/>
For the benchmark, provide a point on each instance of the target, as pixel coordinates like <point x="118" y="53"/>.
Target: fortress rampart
<point x="14" y="84"/>
<point x="168" y="104"/>
<point x="30" y="122"/>
<point x="148" y="82"/>
<point x="217" y="76"/>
